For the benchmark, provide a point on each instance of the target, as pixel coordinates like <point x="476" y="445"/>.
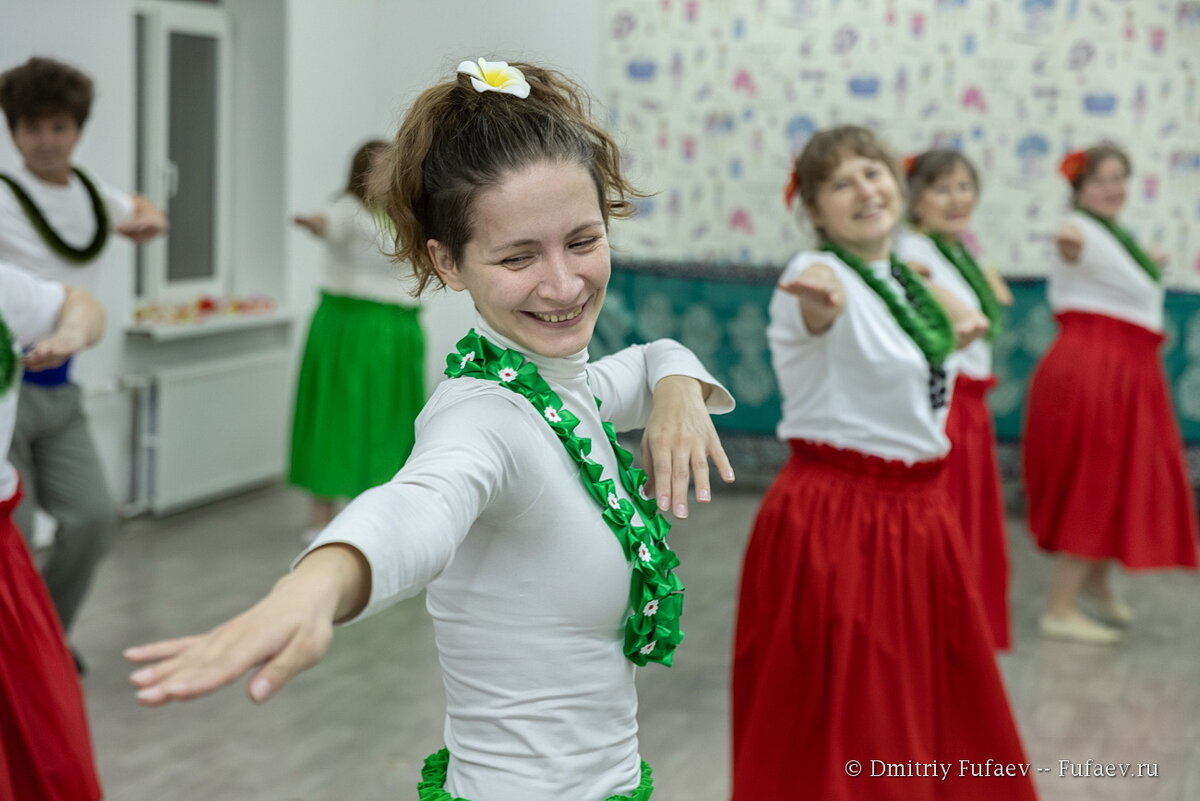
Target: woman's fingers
<point x="162" y="649"/>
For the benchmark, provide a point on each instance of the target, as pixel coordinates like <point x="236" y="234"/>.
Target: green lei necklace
<point x="8" y="358"/>
<point x="655" y="594"/>
<point x="967" y="267"/>
<point x="922" y="317"/>
<point x="433" y="780"/>
<point x="55" y="242"/>
<point x="1128" y="242"/>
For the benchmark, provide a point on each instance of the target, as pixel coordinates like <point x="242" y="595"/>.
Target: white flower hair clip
<point x="496" y="76"/>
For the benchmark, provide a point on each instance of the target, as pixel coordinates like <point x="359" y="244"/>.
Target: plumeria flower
<point x="552" y="415"/>
<point x="614" y="501"/>
<point x="648" y="648"/>
<point x="496" y="76"/>
<point x="643" y="552"/>
<point x="650" y="608"/>
<point x="507" y="374"/>
<point x="641" y="490"/>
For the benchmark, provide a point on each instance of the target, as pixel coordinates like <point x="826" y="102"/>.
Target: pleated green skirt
<point x="361" y="386"/>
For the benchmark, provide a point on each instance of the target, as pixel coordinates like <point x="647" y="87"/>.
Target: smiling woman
<point x="538" y="265"/>
<point x="1103" y="460"/>
<point x="944" y="187"/>
<point x="853" y="590"/>
<point x="541" y="548"/>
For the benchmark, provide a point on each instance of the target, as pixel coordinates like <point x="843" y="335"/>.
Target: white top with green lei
<point x="528" y="587"/>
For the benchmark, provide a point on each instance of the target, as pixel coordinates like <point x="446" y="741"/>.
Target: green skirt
<point x="361" y="386"/>
<point x="433" y="781"/>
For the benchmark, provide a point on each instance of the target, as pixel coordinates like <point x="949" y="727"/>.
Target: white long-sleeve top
<point x="527" y="586"/>
<point x="1104" y="279"/>
<point x="355" y="260"/>
<point x="975" y="360"/>
<point x="863" y="385"/>
<point x="29" y="308"/>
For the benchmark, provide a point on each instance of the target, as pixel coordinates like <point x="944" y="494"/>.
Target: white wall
<point x="422" y="43"/>
<point x="259" y="68"/>
<point x="314" y="79"/>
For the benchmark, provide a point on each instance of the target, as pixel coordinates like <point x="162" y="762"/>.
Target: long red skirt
<point x="863" y="665"/>
<point x="45" y="747"/>
<point x="972" y="480"/>
<point x="1103" y="458"/>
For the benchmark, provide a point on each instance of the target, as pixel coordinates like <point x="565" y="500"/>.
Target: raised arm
<point x="80" y="325"/>
<point x="386" y="545"/>
<point x="147" y="222"/>
<point x="969" y="325"/>
<point x="1069" y="242"/>
<point x="663" y="387"/>
<point x="286" y="632"/>
<point x="821" y="295"/>
<point x="999" y="286"/>
<point x="315" y="224"/>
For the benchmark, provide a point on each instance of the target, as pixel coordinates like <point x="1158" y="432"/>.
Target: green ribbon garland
<point x="8" y="358"/>
<point x="433" y="781"/>
<point x="967" y="267"/>
<point x="922" y="317"/>
<point x="655" y="594"/>
<point x="1128" y="242"/>
<point x="37" y="219"/>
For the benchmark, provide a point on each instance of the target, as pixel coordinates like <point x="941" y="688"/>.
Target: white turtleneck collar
<point x="558" y="369"/>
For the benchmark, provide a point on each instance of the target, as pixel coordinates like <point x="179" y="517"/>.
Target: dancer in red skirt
<point x="863" y="666"/>
<point x="1103" y="458"/>
<point x="943" y="187"/>
<point x="45" y="747"/>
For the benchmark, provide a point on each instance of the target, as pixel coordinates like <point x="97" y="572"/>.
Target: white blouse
<point x="68" y="209"/>
<point x="863" y="385"/>
<point x="29" y="306"/>
<point x="1104" y="280"/>
<point x="527" y="586"/>
<point x="355" y="260"/>
<point x="975" y="360"/>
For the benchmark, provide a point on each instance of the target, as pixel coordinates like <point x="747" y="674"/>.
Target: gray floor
<point x="357" y="726"/>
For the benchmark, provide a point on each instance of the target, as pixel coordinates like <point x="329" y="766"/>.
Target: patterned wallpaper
<point x="714" y="97"/>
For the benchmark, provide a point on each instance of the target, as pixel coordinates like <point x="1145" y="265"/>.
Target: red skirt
<point x="1103" y="458"/>
<point x="972" y="480"/>
<point x="862" y="661"/>
<point x="45" y="746"/>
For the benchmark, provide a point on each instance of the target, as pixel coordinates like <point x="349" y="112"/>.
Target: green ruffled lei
<point x="652" y="629"/>
<point x="433" y="781"/>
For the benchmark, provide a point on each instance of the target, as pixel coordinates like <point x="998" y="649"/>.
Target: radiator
<point x="209" y="429"/>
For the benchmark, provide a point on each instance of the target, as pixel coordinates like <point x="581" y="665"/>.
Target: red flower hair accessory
<point x="1073" y="165"/>
<point x="909" y="163"/>
<point x="793" y="187"/>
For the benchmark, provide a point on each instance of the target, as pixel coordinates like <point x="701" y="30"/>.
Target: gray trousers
<point x="61" y="472"/>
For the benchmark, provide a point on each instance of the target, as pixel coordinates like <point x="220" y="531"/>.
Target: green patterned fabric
<point x="433" y="781"/>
